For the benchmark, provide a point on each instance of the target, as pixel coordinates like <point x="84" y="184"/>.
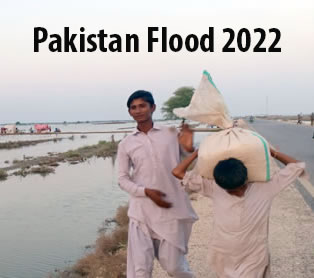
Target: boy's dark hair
<point x="145" y="95"/>
<point x="230" y="173"/>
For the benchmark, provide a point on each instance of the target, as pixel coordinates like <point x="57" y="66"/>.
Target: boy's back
<point x="238" y="247"/>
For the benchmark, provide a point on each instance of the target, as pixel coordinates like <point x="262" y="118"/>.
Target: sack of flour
<point x="248" y="146"/>
<point x="207" y="106"/>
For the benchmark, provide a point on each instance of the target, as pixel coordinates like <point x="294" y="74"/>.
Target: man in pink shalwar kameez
<point x="161" y="216"/>
<point x="239" y="243"/>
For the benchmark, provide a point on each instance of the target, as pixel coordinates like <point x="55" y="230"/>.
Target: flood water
<point x="46" y="222"/>
<point x="65" y="144"/>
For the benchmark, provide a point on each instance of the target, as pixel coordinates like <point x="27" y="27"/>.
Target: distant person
<point x="239" y="244"/>
<point x="57" y="130"/>
<point x="312" y="119"/>
<point x="299" y="119"/>
<point x="160" y="213"/>
<point x="31" y="130"/>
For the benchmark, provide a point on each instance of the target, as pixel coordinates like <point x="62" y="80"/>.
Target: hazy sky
<point x="48" y="86"/>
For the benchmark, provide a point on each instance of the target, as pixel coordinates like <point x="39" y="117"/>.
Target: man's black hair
<point x="145" y="95"/>
<point x="230" y="173"/>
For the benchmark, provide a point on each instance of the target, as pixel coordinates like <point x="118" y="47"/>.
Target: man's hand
<point x="157" y="197"/>
<point x="186" y="138"/>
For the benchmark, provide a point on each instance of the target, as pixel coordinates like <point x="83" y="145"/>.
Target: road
<point x="294" y="140"/>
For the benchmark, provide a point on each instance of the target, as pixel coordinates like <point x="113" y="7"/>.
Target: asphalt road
<point x="296" y="141"/>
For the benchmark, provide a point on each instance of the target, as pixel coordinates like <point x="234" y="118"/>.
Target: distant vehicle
<point x="251" y="119"/>
<point x="9" y="129"/>
<point x="42" y="128"/>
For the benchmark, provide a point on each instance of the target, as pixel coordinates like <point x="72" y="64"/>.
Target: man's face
<point x="141" y="111"/>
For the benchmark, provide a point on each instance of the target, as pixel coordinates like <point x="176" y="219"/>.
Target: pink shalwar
<point x="239" y="243"/>
<point x="152" y="157"/>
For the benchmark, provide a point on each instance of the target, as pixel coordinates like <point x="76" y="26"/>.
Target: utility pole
<point x="266" y="105"/>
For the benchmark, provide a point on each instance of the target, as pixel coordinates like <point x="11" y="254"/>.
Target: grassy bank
<point x="108" y="257"/>
<point x="45" y="164"/>
<point x="19" y="144"/>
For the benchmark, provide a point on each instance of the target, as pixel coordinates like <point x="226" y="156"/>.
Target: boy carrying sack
<point x="234" y="170"/>
<point x="207" y="106"/>
<point x="239" y="245"/>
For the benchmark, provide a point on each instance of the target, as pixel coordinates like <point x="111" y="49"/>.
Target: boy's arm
<point x="131" y="187"/>
<point x="284" y="176"/>
<point x="180" y="170"/>
<point x="185" y="138"/>
<point x="124" y="179"/>
<point x="283" y="158"/>
<point x="191" y="180"/>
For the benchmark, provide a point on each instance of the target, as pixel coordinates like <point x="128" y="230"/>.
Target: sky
<point x="48" y="87"/>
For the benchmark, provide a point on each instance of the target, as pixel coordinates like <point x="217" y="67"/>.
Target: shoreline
<point x="107" y="259"/>
<point x="45" y="164"/>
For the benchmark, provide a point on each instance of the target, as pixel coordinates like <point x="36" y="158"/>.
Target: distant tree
<point x="181" y="98"/>
<point x="17" y="123"/>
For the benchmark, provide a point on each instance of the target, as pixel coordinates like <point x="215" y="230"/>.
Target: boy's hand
<point x="157" y="197"/>
<point x="186" y="138"/>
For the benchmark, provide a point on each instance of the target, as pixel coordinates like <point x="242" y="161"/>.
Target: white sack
<point x="207" y="105"/>
<point x="248" y="146"/>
